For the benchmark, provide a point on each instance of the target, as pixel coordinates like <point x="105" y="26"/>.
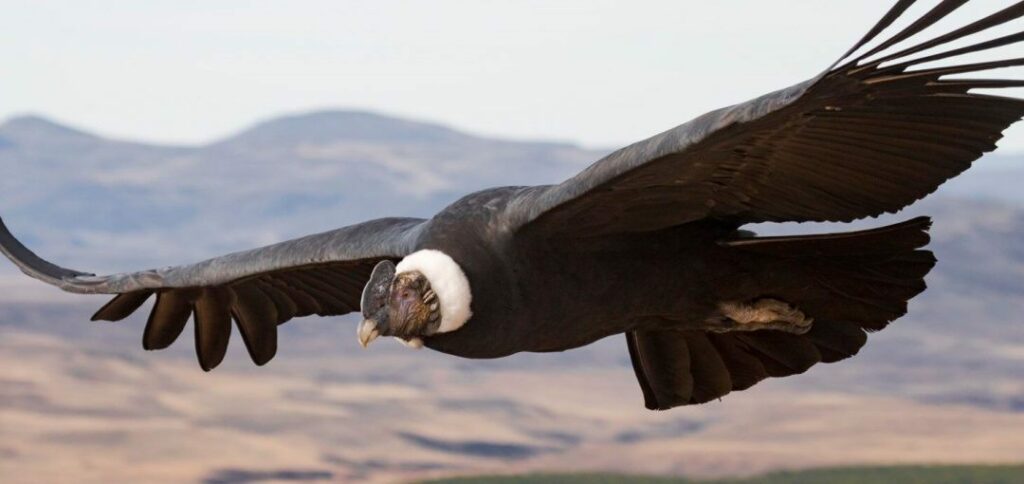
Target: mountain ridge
<point x="334" y="125"/>
<point x="315" y="125"/>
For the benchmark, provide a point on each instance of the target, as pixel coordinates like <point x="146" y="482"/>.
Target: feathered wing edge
<point x="374" y="239"/>
<point x="876" y="106"/>
<point x="321" y="274"/>
<point x="33" y="265"/>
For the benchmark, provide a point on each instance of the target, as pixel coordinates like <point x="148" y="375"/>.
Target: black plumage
<point x="646" y="241"/>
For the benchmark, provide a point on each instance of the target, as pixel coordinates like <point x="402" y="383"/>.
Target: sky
<point x="596" y="72"/>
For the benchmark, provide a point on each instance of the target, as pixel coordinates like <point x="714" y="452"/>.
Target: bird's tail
<point x="863" y="278"/>
<point x="849" y="283"/>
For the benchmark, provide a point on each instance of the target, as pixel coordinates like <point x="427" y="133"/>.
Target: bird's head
<point x="425" y="294"/>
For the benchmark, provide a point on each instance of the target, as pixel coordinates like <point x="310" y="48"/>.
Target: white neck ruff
<point x="448" y="282"/>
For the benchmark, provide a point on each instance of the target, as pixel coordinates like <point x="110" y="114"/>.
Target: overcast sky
<point x="601" y="73"/>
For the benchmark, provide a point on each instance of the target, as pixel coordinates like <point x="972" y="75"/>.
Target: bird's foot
<point x="760" y="314"/>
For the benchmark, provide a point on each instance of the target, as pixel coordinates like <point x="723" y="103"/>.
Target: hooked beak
<point x="367" y="332"/>
<point x="374" y="302"/>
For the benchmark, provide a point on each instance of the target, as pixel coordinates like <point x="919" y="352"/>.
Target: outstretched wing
<point x="868" y="136"/>
<point x="321" y="274"/>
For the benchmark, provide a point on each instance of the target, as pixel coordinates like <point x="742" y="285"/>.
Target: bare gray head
<point x="425" y="294"/>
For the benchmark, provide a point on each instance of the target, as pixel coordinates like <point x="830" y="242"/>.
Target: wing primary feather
<point x="305" y="303"/>
<point x="894" y="13"/>
<point x="948" y="70"/>
<point x="1007" y="14"/>
<point x="121" y="306"/>
<point x="355" y="275"/>
<point x="937" y="13"/>
<point x="212" y="326"/>
<point x="286" y="308"/>
<point x="338" y="285"/>
<point x="256" y="317"/>
<point x="352" y="245"/>
<point x="167" y="319"/>
<point x="981" y="46"/>
<point x="964" y="85"/>
<point x="33" y="265"/>
<point x="324" y="292"/>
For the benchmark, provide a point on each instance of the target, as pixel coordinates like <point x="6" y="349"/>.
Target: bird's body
<point x="535" y="294"/>
<point x="646" y="241"/>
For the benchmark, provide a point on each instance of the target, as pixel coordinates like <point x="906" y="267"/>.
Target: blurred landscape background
<point x="942" y="385"/>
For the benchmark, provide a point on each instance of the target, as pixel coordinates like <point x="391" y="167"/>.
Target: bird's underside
<point x="894" y="118"/>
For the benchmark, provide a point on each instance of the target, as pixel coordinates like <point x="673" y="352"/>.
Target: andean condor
<point x="646" y="241"/>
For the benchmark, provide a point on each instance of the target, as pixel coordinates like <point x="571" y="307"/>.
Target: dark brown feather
<point x="121" y="306"/>
<point x="257" y="303"/>
<point x="710" y="374"/>
<point x="327" y="296"/>
<point x="661" y="360"/>
<point x="256" y="317"/>
<point x="855" y="142"/>
<point x="784" y="354"/>
<point x="1005" y="15"/>
<point x="836" y="340"/>
<point x="937" y="13"/>
<point x="305" y="304"/>
<point x="212" y="326"/>
<point x="745" y="369"/>
<point x="168" y="318"/>
<point x="284" y="306"/>
<point x="894" y="13"/>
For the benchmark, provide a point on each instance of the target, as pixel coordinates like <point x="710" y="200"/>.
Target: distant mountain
<point x="323" y="127"/>
<point x="29" y="130"/>
<point x="112" y="205"/>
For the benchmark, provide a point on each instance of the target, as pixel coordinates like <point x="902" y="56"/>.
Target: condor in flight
<point x="646" y="241"/>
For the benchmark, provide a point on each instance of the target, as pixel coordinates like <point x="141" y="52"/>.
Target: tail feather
<point x="863" y="277"/>
<point x="890" y="239"/>
<point x="850" y="283"/>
